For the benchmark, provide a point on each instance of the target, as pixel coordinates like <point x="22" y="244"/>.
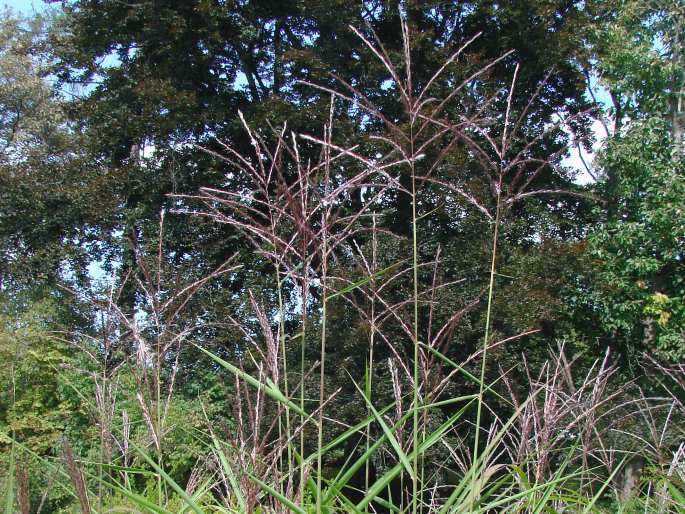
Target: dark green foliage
<point x="114" y="112"/>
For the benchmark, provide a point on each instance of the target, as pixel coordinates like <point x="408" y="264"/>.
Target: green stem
<point x="158" y="392"/>
<point x="369" y="380"/>
<point x="281" y="341"/>
<point x="415" y="265"/>
<point x="324" y="292"/>
<point x="302" y="357"/>
<point x="322" y="370"/>
<point x="486" y="337"/>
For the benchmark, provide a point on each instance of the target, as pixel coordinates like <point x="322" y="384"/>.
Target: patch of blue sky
<point x="577" y="157"/>
<point x="240" y="83"/>
<point x="25" y="7"/>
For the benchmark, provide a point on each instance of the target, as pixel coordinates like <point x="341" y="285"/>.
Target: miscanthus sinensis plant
<point x="307" y="204"/>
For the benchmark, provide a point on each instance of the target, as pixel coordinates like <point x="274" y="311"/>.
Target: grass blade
<point x="275" y="494"/>
<point x="170" y="481"/>
<point x="389" y="433"/>
<point x="269" y="389"/>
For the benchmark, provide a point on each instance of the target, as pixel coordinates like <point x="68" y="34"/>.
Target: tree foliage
<point x="636" y="282"/>
<point x="116" y="114"/>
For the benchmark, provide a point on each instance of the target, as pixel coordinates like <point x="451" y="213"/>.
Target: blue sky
<point x="24" y="6"/>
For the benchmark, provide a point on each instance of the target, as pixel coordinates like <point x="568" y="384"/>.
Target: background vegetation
<point x="340" y="256"/>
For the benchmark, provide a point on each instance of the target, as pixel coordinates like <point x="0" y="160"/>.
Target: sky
<point x="24" y="6"/>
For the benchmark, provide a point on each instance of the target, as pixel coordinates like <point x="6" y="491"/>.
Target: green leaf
<point x="364" y="281"/>
<point x="389" y="433"/>
<point x="270" y="390"/>
<point x="170" y="481"/>
<point x="281" y="498"/>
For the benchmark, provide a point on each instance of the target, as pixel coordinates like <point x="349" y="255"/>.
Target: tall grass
<point x="552" y="452"/>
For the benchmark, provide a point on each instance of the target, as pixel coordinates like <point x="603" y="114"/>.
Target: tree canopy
<point x="247" y="183"/>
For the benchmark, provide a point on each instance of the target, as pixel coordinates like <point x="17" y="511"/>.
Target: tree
<point x="49" y="191"/>
<point x="636" y="283"/>
<point x="638" y="54"/>
<point x="166" y="76"/>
